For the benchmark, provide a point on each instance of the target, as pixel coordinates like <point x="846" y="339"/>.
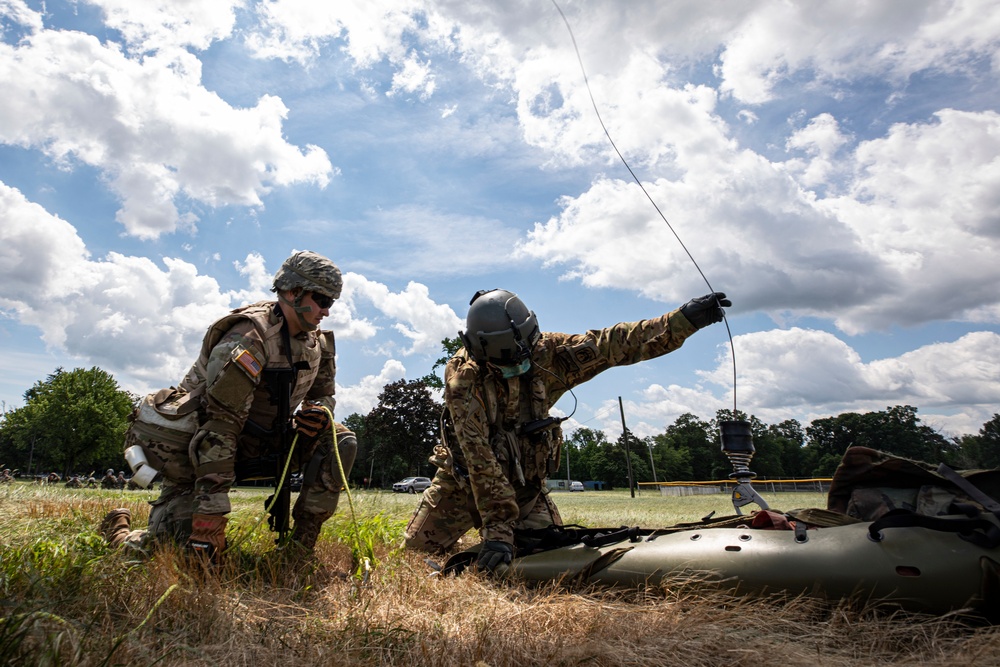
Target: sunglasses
<point x="322" y="300"/>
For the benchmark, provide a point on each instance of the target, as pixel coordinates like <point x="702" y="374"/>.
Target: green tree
<point x="402" y="431"/>
<point x="588" y="454"/>
<point x="450" y="346"/>
<point x="70" y="421"/>
<point x="701" y="442"/>
<point x="673" y="461"/>
<point x="611" y="463"/>
<point x="981" y="450"/>
<point x="788" y="439"/>
<point x="364" y="462"/>
<point x="828" y="439"/>
<point x="896" y="430"/>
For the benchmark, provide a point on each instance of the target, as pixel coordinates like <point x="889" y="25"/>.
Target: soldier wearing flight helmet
<point x="236" y="411"/>
<point x="499" y="441"/>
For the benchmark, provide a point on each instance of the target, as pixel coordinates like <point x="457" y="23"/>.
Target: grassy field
<point x="65" y="599"/>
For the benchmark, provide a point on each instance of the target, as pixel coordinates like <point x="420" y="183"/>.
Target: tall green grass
<point x="65" y="599"/>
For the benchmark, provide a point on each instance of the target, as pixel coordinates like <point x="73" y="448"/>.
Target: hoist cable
<point x="597" y="112"/>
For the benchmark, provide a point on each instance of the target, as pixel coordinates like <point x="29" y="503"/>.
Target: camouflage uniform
<point x="227" y="378"/>
<point x="490" y="476"/>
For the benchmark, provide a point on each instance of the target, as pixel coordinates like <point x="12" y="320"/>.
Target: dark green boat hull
<point x="917" y="568"/>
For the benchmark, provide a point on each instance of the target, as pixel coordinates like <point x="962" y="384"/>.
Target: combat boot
<point x="208" y="537"/>
<point x="116" y="526"/>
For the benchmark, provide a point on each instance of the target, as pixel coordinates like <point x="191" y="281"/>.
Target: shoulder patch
<point x="245" y="358"/>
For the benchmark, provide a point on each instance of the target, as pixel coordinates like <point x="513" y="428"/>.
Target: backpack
<point x="163" y="425"/>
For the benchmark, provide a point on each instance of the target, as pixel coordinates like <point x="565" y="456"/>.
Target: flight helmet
<point x="500" y="330"/>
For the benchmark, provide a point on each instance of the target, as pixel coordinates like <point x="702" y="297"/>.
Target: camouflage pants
<point x="447" y="510"/>
<point x="170" y="516"/>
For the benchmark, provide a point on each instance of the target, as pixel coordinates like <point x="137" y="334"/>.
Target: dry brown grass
<point x="67" y="600"/>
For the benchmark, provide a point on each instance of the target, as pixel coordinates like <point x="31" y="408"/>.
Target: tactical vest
<point x="310" y="351"/>
<point x="526" y="460"/>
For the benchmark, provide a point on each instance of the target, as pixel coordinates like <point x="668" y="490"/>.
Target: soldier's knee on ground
<point x="170" y="516"/>
<point x="543" y="513"/>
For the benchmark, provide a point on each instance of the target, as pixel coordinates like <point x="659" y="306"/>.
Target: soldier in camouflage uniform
<point x="237" y="416"/>
<point x="499" y="441"/>
<point x="109" y="481"/>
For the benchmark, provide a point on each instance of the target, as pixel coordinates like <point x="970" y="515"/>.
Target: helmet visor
<point x="502" y="348"/>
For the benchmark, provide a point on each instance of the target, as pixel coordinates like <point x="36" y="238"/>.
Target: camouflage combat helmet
<point x="500" y="330"/>
<point x="312" y="272"/>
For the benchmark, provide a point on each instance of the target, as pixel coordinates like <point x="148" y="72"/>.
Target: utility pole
<point x="569" y="477"/>
<point x="651" y="464"/>
<point x="31" y="454"/>
<point x="628" y="451"/>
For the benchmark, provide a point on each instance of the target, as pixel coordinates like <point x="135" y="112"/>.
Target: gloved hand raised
<point x="311" y="421"/>
<point x="706" y="310"/>
<point x="493" y="554"/>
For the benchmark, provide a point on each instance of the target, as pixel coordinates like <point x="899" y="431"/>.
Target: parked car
<point x="576" y="486"/>
<point x="411" y="485"/>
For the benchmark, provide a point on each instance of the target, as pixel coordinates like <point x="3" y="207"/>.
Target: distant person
<point x="6" y="477"/>
<point x="237" y="416"/>
<point x="74" y="482"/>
<point x="499" y="441"/>
<point x="109" y="481"/>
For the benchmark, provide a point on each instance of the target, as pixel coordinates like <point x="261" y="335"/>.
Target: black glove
<point x="311" y="421"/>
<point x="493" y="554"/>
<point x="706" y="309"/>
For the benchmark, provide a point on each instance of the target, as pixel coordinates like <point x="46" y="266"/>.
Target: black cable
<point x="579" y="59"/>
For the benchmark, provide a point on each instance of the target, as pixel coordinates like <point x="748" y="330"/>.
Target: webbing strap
<point x="970" y="489"/>
<point x="534" y="540"/>
<point x="979" y="531"/>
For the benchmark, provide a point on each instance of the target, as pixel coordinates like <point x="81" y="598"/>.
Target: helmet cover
<point x="310" y="271"/>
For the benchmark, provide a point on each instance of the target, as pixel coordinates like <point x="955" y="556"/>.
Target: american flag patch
<point x="248" y="362"/>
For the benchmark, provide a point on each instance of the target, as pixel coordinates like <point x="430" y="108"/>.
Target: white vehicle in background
<point x="576" y="486"/>
<point x="411" y="485"/>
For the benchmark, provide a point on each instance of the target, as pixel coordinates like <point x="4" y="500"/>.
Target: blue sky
<point x="833" y="167"/>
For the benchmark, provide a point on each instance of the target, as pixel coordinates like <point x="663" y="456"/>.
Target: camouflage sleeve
<point x="324" y="386"/>
<point x="493" y="493"/>
<point x="580" y="357"/>
<point x="232" y="372"/>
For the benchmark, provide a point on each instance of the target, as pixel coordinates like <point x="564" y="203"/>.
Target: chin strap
<point x="299" y="310"/>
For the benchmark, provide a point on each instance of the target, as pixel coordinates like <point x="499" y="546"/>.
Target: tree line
<point x="74" y="422"/>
